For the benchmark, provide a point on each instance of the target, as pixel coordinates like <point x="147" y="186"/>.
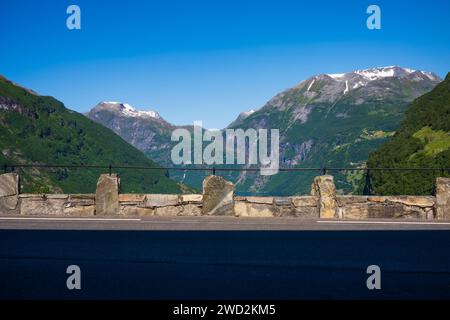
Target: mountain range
<point x="327" y="120"/>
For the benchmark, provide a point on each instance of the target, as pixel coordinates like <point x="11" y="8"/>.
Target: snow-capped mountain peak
<point x="382" y="72"/>
<point x="336" y="75"/>
<point x="374" y="83"/>
<point x="378" y="73"/>
<point x="249" y="112"/>
<point x="127" y="110"/>
<point x="360" y="78"/>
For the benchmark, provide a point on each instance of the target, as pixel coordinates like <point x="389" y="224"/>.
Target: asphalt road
<point x="121" y="260"/>
<point x="211" y="223"/>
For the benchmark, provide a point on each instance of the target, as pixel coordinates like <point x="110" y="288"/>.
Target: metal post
<point x="5" y="168"/>
<point x="324" y="171"/>
<point x="110" y="170"/>
<point x="367" y="191"/>
<point x="214" y="171"/>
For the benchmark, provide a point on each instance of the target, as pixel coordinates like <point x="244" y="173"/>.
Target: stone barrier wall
<point x="218" y="199"/>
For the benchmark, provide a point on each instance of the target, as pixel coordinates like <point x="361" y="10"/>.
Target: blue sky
<point x="209" y="60"/>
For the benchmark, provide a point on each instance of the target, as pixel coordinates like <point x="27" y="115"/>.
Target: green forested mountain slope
<point x="423" y="140"/>
<point x="40" y="130"/>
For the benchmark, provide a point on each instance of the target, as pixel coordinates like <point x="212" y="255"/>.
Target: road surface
<point x="169" y="258"/>
<point x="212" y="223"/>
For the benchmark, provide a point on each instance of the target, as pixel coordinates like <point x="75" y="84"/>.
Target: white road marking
<point x="384" y="222"/>
<point x="70" y="219"/>
<point x="241" y="222"/>
<point x="217" y="222"/>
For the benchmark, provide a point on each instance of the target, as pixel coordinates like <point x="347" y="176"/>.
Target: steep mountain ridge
<point x="37" y="129"/>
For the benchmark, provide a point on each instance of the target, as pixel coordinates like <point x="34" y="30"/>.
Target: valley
<point x="327" y="120"/>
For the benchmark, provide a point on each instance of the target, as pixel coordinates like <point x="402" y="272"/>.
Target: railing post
<point x="367" y="191"/>
<point x="214" y="171"/>
<point x="110" y="170"/>
<point x="324" y="171"/>
<point x="5" y="168"/>
<point x="443" y="198"/>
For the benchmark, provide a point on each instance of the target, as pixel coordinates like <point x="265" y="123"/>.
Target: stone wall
<point x="218" y="199"/>
<point x="57" y="204"/>
<point x="365" y="207"/>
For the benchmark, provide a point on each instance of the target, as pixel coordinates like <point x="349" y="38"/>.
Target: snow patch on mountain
<point x="377" y="73"/>
<point x="358" y="84"/>
<point x="346" y="87"/>
<point x="249" y="112"/>
<point x="129" y="111"/>
<point x="310" y="85"/>
<point x="382" y="72"/>
<point x="430" y="75"/>
<point x="336" y="75"/>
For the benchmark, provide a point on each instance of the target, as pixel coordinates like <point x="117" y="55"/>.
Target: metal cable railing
<point x="213" y="169"/>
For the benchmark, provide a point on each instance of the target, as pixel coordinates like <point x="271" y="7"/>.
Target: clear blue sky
<point x="209" y="60"/>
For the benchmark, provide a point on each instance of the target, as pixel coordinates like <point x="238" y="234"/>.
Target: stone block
<point x="263" y="200"/>
<point x="324" y="188"/>
<point x="217" y="196"/>
<point x="128" y="210"/>
<point x="129" y="198"/>
<point x="84" y="210"/>
<point x="191" y="210"/>
<point x="9" y="184"/>
<point x="384" y="210"/>
<point x="107" y="195"/>
<point x="41" y="205"/>
<point x="9" y="205"/>
<point x="282" y="201"/>
<point x="443" y="198"/>
<point x="245" y="209"/>
<point x="191" y="198"/>
<point x="345" y="200"/>
<point x="168" y="211"/>
<point x="307" y="212"/>
<point x="76" y="200"/>
<point x="160" y="200"/>
<point x="9" y="193"/>
<point x="418" y="201"/>
<point x="305" y="201"/>
<point x="285" y="211"/>
<point x="354" y="211"/>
